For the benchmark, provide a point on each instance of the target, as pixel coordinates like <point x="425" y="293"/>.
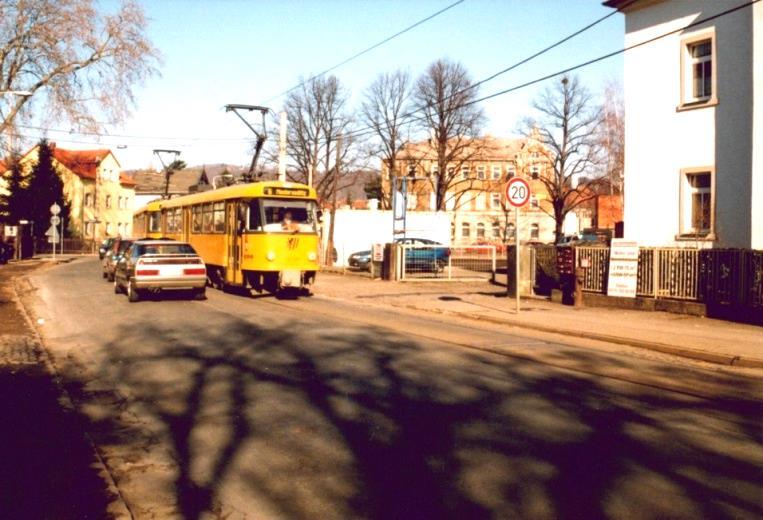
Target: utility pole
<point x="330" y="253"/>
<point x="282" y="148"/>
<point x="167" y="168"/>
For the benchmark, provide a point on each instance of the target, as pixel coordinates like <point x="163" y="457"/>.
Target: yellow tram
<point x="147" y="221"/>
<point x="261" y="235"/>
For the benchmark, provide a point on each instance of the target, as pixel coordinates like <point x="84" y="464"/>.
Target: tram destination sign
<point x="286" y="192"/>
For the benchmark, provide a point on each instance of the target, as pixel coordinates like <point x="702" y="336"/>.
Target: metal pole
<point x="516" y="256"/>
<point x="282" y="149"/>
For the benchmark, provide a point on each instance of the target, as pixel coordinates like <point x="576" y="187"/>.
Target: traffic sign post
<point x="517" y="194"/>
<point x="52" y="233"/>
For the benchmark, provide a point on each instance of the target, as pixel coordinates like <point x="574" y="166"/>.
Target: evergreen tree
<point x="45" y="188"/>
<point x="15" y="205"/>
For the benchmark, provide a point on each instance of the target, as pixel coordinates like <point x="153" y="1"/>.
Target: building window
<point x="496" y="230"/>
<point x="466" y="230"/>
<point x="465" y="172"/>
<point x="88" y="229"/>
<point x="411" y="171"/>
<point x="481" y="172"/>
<point x="698" y="69"/>
<point x="88" y="200"/>
<point x="510" y="230"/>
<point x="108" y="201"/>
<point x="534" y="202"/>
<point x="697" y="210"/>
<point x="496" y="172"/>
<point x="435" y="170"/>
<point x="480" y="230"/>
<point x="701" y="69"/>
<point x="534" y="231"/>
<point x="535" y="171"/>
<point x="511" y="170"/>
<point x="495" y="200"/>
<point x="479" y="202"/>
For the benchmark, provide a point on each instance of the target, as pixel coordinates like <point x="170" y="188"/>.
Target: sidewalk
<point x="692" y="337"/>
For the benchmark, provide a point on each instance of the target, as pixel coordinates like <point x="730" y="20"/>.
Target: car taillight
<point x="147" y="272"/>
<point x="194" y="271"/>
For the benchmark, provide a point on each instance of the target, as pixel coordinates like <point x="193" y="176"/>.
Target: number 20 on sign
<point x="517" y="192"/>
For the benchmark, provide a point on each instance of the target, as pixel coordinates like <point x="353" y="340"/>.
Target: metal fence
<point x="662" y="272"/>
<point x="427" y="262"/>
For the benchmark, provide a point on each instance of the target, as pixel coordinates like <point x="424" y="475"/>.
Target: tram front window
<point x="289" y="215"/>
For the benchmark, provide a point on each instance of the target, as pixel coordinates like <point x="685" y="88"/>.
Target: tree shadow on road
<point x="367" y="424"/>
<point x="47" y="467"/>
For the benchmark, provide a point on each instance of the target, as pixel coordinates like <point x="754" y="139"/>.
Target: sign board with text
<point x="623" y="268"/>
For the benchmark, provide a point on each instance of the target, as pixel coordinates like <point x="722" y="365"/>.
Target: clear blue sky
<point x="247" y="51"/>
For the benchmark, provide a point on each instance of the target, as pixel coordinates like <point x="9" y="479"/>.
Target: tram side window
<point x="196" y="219"/>
<point x="218" y="217"/>
<point x="207" y="220"/>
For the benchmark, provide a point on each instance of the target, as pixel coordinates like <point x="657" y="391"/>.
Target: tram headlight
<point x="312" y="256"/>
<point x="271" y="255"/>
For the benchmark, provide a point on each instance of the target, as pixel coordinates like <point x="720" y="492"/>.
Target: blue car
<point x="422" y="254"/>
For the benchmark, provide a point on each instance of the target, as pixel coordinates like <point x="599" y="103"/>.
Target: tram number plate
<point x="291" y="278"/>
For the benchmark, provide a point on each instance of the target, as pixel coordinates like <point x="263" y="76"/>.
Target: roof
<point x="147" y="182"/>
<point x="83" y="163"/>
<point x="486" y="148"/>
<point x="622" y="5"/>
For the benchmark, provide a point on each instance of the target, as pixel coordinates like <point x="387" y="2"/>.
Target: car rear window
<point x="165" y="249"/>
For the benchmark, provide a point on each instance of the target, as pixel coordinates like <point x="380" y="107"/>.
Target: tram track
<point x="519" y="349"/>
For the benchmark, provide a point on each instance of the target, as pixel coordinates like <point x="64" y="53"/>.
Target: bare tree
<point x="383" y="110"/>
<point x="316" y="115"/>
<point x="567" y="130"/>
<point x="612" y="135"/>
<point x="74" y="60"/>
<point x="446" y="96"/>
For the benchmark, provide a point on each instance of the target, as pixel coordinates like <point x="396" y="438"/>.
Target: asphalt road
<point x="314" y="408"/>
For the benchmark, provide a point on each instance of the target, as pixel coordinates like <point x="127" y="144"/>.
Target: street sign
<point x="55" y="220"/>
<point x="52" y="234"/>
<point x="55" y="209"/>
<point x="517" y="192"/>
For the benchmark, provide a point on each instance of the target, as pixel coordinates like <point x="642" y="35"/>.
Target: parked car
<point x="360" y="260"/>
<point x="424" y="254"/>
<point x="112" y="256"/>
<point x="105" y="246"/>
<point x="160" y="265"/>
<point x="6" y="252"/>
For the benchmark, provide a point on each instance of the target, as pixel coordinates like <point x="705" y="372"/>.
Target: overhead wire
<point x="370" y="130"/>
<point x="369" y="49"/>
<point x="410" y="115"/>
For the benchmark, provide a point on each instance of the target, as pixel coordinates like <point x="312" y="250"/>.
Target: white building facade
<point x="693" y="123"/>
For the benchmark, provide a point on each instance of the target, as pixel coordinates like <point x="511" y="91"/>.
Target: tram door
<point x="234" y="236"/>
<point x="186" y="224"/>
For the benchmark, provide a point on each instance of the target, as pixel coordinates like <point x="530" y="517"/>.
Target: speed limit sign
<point x="517" y="192"/>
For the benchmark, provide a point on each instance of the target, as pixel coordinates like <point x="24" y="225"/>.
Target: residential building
<point x="100" y="197"/>
<point x="694" y="123"/>
<point x="475" y="196"/>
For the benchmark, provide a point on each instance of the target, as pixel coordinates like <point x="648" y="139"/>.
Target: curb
<point x="685" y="352"/>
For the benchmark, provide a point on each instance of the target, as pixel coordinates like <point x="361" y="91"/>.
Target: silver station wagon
<point x="160" y="265"/>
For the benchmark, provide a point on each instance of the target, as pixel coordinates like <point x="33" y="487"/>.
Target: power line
<point x="369" y="49"/>
<point x="370" y="131"/>
<point x="410" y="114"/>
<point x="615" y="53"/>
